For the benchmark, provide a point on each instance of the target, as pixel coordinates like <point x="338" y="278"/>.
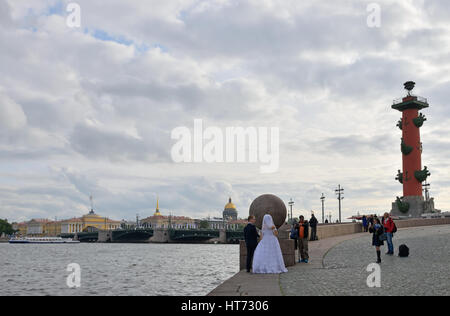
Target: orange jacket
<point x="301" y="232"/>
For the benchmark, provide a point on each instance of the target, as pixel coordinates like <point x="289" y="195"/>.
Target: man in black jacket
<point x="251" y="240"/>
<point x="313" y="224"/>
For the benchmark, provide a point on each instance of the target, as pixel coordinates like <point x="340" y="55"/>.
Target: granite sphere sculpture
<point x="268" y="204"/>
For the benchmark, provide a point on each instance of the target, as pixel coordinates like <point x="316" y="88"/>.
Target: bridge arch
<point x="193" y="235"/>
<point x="132" y="235"/>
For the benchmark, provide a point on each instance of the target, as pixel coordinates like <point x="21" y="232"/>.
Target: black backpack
<point x="403" y="251"/>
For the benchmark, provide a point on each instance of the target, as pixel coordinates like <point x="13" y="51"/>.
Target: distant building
<point x="88" y="223"/>
<point x="230" y="212"/>
<point x="72" y="225"/>
<point x="215" y="222"/>
<point x="20" y="228"/>
<point x="124" y="224"/>
<point x="228" y="221"/>
<point x="237" y="224"/>
<point x="175" y="222"/>
<point x="220" y="223"/>
<point x="36" y="227"/>
<point x="52" y="228"/>
<point x="46" y="227"/>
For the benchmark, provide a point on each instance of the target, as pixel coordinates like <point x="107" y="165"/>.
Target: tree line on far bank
<point x="6" y="228"/>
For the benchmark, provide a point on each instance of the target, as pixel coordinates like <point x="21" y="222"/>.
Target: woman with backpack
<point x="377" y="240"/>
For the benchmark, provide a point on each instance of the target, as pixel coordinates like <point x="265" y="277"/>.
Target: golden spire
<point x="157" y="213"/>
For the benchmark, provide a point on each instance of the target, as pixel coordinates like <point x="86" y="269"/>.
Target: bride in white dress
<point x="268" y="257"/>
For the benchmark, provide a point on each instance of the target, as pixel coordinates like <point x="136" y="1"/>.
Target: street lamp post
<point x="291" y="203"/>
<point x="339" y="192"/>
<point x="323" y="208"/>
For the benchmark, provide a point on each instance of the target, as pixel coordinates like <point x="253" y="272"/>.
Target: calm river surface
<point x="116" y="269"/>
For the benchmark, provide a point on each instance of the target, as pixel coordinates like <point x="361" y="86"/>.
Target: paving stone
<point x="343" y="269"/>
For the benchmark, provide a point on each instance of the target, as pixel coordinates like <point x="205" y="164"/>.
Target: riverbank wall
<point x="334" y="230"/>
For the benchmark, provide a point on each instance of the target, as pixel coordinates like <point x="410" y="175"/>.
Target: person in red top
<point x="389" y="227"/>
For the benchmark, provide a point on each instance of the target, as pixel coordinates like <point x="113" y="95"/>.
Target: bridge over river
<point x="159" y="236"/>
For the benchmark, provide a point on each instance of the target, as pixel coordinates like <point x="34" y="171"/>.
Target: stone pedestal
<point x="283" y="234"/>
<point x="417" y="207"/>
<point x="429" y="207"/>
<point x="287" y="249"/>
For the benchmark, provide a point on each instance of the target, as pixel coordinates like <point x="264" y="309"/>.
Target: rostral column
<point x="412" y="204"/>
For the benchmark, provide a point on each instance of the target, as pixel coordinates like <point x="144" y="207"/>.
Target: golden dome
<point x="230" y="205"/>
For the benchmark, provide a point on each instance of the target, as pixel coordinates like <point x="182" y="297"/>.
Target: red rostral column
<point x="411" y="146"/>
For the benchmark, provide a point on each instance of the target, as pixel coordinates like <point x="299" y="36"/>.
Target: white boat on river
<point x="42" y="240"/>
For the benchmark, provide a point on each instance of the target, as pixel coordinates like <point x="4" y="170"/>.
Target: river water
<point x="116" y="269"/>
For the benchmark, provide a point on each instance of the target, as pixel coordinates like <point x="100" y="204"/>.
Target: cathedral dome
<point x="230" y="205"/>
<point x="230" y="211"/>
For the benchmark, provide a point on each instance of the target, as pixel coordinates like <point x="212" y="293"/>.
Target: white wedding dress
<point x="268" y="257"/>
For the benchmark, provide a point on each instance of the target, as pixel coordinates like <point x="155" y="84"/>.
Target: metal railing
<point x="422" y="99"/>
<point x="415" y="98"/>
<point x="398" y="101"/>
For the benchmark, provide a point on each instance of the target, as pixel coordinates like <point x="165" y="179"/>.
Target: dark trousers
<point x="250" y="251"/>
<point x="313" y="233"/>
<point x="303" y="248"/>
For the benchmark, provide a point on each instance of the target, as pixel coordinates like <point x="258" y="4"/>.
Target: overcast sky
<point x="91" y="109"/>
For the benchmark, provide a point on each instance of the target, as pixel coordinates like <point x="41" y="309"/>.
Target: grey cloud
<point x="31" y="154"/>
<point x="355" y="145"/>
<point x="5" y="15"/>
<point x="95" y="143"/>
<point x="228" y="100"/>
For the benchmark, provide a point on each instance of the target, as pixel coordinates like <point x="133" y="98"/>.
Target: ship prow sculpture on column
<point x="273" y="205"/>
<point x="412" y="203"/>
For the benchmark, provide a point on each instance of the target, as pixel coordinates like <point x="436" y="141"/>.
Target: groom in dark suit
<point x="251" y="240"/>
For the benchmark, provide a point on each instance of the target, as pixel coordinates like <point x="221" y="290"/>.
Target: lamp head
<point x="409" y="86"/>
